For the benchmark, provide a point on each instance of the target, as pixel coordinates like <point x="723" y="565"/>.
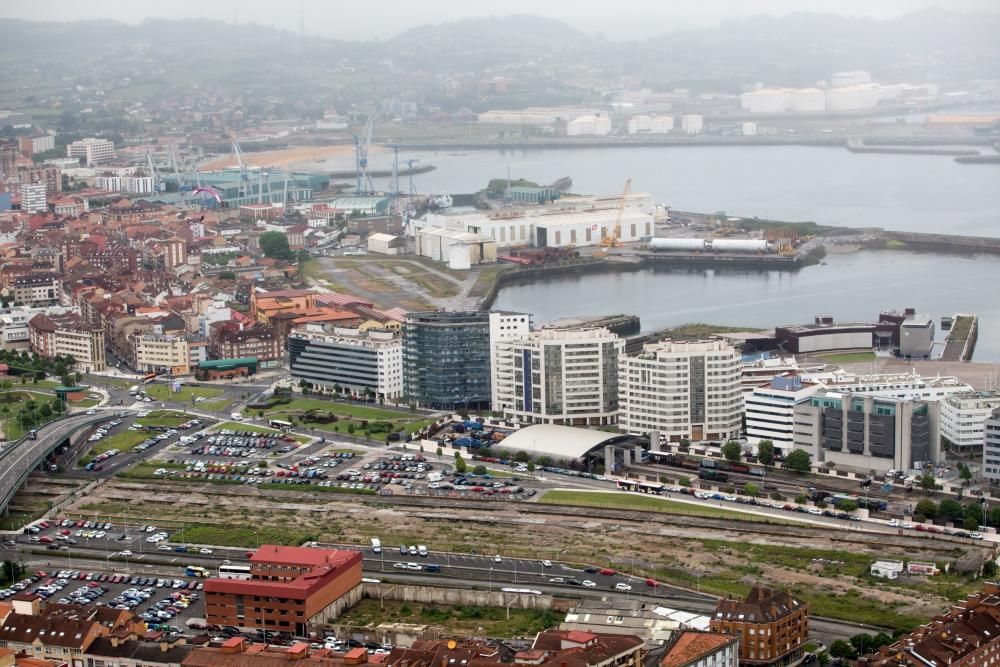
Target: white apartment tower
<point x="963" y="419"/>
<point x="92" y="150"/>
<point x="683" y="390"/>
<point x="770" y="410"/>
<point x="504" y="327"/>
<point x="566" y="376"/>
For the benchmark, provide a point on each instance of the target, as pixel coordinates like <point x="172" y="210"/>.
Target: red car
<point x="608" y="572"/>
<point x="921" y="528"/>
<point x="652" y="583"/>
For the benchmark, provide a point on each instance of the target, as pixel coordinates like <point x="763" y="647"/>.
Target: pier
<point x="962" y="339"/>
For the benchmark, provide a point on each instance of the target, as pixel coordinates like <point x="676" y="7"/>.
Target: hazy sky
<point x="385" y="18"/>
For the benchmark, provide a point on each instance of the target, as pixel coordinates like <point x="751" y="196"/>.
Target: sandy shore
<point x="288" y="156"/>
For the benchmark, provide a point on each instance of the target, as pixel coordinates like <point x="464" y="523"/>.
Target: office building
<point x="772" y="626"/>
<point x="963" y="420"/>
<point x="158" y="353"/>
<point x="92" y="151"/>
<point x="684" y="390"/>
<point x="770" y="410"/>
<point x="560" y="376"/>
<point x="446" y="360"/>
<point x="504" y="326"/>
<point x="867" y="433"/>
<point x="356" y="362"/>
<point x="50" y="336"/>
<point x="991" y="448"/>
<point x="33" y="198"/>
<point x="290" y="588"/>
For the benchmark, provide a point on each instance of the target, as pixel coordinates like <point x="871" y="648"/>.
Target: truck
<point x="236" y="416"/>
<point x="133" y="390"/>
<point x="376" y="545"/>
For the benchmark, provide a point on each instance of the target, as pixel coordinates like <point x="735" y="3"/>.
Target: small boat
<point x="439" y="201"/>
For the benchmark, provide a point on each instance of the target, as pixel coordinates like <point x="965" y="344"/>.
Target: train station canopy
<point x="560" y="442"/>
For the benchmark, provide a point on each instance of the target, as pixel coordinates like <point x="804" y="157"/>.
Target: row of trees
<point x="30" y="364"/>
<point x="34" y="413"/>
<point x="858" y="645"/>
<point x="970" y="515"/>
<point x="797" y="461"/>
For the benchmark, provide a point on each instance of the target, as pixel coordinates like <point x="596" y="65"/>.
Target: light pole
<point x="491" y="578"/>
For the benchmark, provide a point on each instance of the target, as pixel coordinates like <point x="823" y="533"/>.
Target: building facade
<point x="236" y="340"/>
<point x="560" y="376"/>
<point x="37" y="144"/>
<point x="683" y="390"/>
<point x="68" y="334"/>
<point x="92" y="151"/>
<point x="289" y="589"/>
<point x="991" y="448"/>
<point x="37" y="290"/>
<point x="157" y="353"/>
<point x="446" y="359"/>
<point x="355" y="361"/>
<point x="772" y="626"/>
<point x="963" y="420"/>
<point x="868" y="433"/>
<point x="770" y="410"/>
<point x="504" y="326"/>
<point x="33" y="198"/>
<point x="694" y="648"/>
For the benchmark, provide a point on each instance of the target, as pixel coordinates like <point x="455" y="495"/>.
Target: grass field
<point x="461" y="620"/>
<point x="161" y="392"/>
<point x="337" y="408"/>
<point x="168" y="420"/>
<point x="632" y="501"/>
<point x="123" y="442"/>
<point x="217" y="405"/>
<point x="847" y="357"/>
<point x="249" y="536"/>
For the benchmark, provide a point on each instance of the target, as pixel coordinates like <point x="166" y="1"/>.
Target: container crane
<point x="614" y="240"/>
<point x="361" y="145"/>
<point x="245" y="187"/>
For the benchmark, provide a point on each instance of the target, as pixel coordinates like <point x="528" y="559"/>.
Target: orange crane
<point x="614" y="240"/>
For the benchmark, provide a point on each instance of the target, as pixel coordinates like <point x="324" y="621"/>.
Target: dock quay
<point x="962" y="339"/>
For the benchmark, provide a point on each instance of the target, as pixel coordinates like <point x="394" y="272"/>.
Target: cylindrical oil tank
<point x="738" y="245"/>
<point x="763" y="101"/>
<point x="689" y="245"/>
<point x="808" y="99"/>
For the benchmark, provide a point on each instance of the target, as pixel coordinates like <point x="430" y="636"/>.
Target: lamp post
<point x="491" y="578"/>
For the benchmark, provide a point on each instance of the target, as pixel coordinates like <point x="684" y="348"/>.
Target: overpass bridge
<point x="20" y="458"/>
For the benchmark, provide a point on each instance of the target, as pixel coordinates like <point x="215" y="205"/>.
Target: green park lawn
<point x="162" y="392"/>
<point x="123" y="442"/>
<point x="339" y="409"/>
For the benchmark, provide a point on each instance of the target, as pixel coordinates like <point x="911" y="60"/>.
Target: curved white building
<point x="808" y="99"/>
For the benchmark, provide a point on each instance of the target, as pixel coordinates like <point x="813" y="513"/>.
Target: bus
<point x="148" y="377"/>
<point x="654" y="488"/>
<point x="195" y="571"/>
<point x="279" y="423"/>
<point x="230" y="571"/>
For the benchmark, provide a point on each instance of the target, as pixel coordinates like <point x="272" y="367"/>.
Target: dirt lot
<point x="828" y="570"/>
<point x="287" y="157"/>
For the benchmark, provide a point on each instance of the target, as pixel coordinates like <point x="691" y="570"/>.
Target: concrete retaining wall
<point x="339" y="606"/>
<point x="457" y="596"/>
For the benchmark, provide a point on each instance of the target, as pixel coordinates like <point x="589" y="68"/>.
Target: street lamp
<point x="491" y="578"/>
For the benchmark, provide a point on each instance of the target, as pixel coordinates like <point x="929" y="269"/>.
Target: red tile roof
<point x="691" y="646"/>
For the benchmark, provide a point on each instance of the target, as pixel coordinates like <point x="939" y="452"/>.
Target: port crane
<point x="614" y="239"/>
<point x="361" y="144"/>
<point x="245" y="188"/>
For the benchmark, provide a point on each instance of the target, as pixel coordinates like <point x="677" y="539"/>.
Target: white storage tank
<point x="749" y="129"/>
<point x="738" y="245"/>
<point x="763" y="101"/>
<point x="582" y="125"/>
<point x="692" y="123"/>
<point x="661" y="124"/>
<point x="689" y="245"/>
<point x="602" y="125"/>
<point x="808" y="99"/>
<point x="848" y="98"/>
<point x="637" y="124"/>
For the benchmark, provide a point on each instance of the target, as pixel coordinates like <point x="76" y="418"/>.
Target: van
<point x="376" y="545"/>
<point x="236" y="416"/>
<point x="422" y="550"/>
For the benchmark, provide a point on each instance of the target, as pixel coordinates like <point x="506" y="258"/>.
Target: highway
<point x="19" y="460"/>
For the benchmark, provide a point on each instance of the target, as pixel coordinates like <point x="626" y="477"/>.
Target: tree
<point x="522" y="457"/>
<point x="751" y="489"/>
<point x="847" y="506"/>
<point x="801" y="499"/>
<point x="970" y="523"/>
<point x="863" y="643"/>
<point x="731" y="451"/>
<point x="479" y="470"/>
<point x="684" y="481"/>
<point x="460" y="465"/>
<point x="951" y="509"/>
<point x="927" y="508"/>
<point x="439" y="452"/>
<point x="57" y="406"/>
<point x="45" y="410"/>
<point x="227" y="275"/>
<point x="965" y="474"/>
<point x="684" y="444"/>
<point x="841" y="649"/>
<point x="765" y="452"/>
<point x="10" y="572"/>
<point x="799" y="461"/>
<point x="995" y="515"/>
<point x="531" y="467"/>
<point x="927" y="482"/>
<point x="275" y="246"/>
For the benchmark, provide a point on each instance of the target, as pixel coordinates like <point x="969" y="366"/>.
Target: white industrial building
<point x="589" y="126"/>
<point x="535" y="115"/>
<point x="963" y="419"/>
<point x="683" y="390"/>
<point x="459" y="250"/>
<point x="748" y="129"/>
<point x="577" y="221"/>
<point x="693" y="123"/>
<point x="566" y="376"/>
<point x="770" y="410"/>
<point x="643" y="124"/>
<point x="504" y="326"/>
<point x="385" y="244"/>
<point x="852" y="98"/>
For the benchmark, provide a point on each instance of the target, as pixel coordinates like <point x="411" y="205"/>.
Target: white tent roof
<point x="561" y="442"/>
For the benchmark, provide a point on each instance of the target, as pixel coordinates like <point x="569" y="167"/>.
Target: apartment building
<point x="350" y="359"/>
<point x="91" y="150"/>
<point x="504" y="326"/>
<point x="37" y="144"/>
<point x="683" y="390"/>
<point x="770" y="410"/>
<point x="446" y="359"/>
<point x="68" y="334"/>
<point x="963" y="420"/>
<point x="565" y="376"/>
<point x="868" y="433"/>
<point x="236" y="340"/>
<point x="583" y="649"/>
<point x="157" y="353"/>
<point x="37" y="290"/>
<point x="772" y="626"/>
<point x="991" y="448"/>
<point x="696" y="648"/>
<point x="33" y="198"/>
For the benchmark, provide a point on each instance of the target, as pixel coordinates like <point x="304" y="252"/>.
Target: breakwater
<point x="944" y="242"/>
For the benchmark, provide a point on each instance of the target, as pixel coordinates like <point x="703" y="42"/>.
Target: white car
<point x="165" y="547"/>
<point x="620" y="586"/>
<point x="894" y="523"/>
<point x="91" y="412"/>
<point x="399" y="566"/>
<point x="205" y="552"/>
<point x="497" y="559"/>
<point x="125" y="553"/>
<point x="976" y="536"/>
<point x="589" y="584"/>
<point x="815" y="511"/>
<point x="546" y="563"/>
<point x="414" y="566"/>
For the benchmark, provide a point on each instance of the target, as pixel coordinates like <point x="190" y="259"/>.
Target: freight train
<point x="697" y="463"/>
